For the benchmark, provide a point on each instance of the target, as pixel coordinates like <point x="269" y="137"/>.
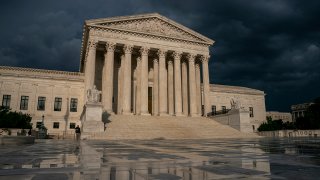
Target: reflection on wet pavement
<point x="262" y="158"/>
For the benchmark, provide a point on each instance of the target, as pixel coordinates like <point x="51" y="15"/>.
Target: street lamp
<point x="43" y="120"/>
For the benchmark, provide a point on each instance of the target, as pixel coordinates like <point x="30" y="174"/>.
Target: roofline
<point x="47" y="71"/>
<point x="237" y="89"/>
<point x="90" y="22"/>
<point x="148" y="15"/>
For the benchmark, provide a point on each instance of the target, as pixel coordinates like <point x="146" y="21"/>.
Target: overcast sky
<point x="271" y="45"/>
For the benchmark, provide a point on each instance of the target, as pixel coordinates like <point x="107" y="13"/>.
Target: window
<point x="56" y="125"/>
<point x="41" y="103"/>
<point x="72" y="125"/>
<point x="213" y="110"/>
<point x="6" y="101"/>
<point x="24" y="102"/>
<point x="73" y="105"/>
<point x="38" y="124"/>
<point x="57" y="104"/>
<point x="251" y="111"/>
<point x="224" y="109"/>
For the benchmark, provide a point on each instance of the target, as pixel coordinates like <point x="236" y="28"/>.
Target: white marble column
<point x="177" y="83"/>
<point x="107" y="77"/>
<point x="144" y="80"/>
<point x="126" y="106"/>
<point x="185" y="99"/>
<point x="170" y="88"/>
<point x="138" y="84"/>
<point x="90" y="64"/>
<point x="198" y="88"/>
<point x="120" y="83"/>
<point x="163" y="108"/>
<point x="192" y="85"/>
<point x="155" y="87"/>
<point x="206" y="84"/>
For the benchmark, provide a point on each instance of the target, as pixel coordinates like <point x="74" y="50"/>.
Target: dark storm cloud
<point x="270" y="45"/>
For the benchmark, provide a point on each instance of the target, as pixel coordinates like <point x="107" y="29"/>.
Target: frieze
<point x="119" y="35"/>
<point x="108" y="34"/>
<point x="154" y="26"/>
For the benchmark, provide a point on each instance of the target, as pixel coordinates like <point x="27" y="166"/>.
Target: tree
<point x="311" y="119"/>
<point x="9" y="119"/>
<point x="274" y="125"/>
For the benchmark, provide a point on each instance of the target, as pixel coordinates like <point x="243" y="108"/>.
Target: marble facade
<point x="143" y="65"/>
<point x="134" y="60"/>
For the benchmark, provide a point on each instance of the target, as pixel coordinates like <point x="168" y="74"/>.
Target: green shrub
<point x="10" y="119"/>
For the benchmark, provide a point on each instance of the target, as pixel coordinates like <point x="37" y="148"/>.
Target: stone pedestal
<point x="92" y="120"/>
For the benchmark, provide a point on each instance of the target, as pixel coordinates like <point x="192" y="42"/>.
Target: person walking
<point x="78" y="132"/>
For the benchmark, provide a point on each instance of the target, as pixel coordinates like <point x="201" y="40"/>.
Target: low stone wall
<point x="235" y="118"/>
<point x="16" y="140"/>
<point x="291" y="133"/>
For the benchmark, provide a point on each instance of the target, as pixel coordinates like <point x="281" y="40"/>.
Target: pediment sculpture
<point x="153" y="26"/>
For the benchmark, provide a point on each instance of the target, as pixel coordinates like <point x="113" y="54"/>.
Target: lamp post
<point x="43" y="120"/>
<point x="42" y="130"/>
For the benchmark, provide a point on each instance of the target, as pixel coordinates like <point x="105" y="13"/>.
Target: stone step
<point x="168" y="127"/>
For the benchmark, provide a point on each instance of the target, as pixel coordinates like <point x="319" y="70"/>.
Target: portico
<point x="147" y="65"/>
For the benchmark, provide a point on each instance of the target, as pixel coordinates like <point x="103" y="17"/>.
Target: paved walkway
<point x="163" y="159"/>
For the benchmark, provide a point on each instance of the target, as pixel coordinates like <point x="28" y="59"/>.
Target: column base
<point x="164" y="114"/>
<point x="127" y="113"/>
<point x="179" y="114"/>
<point x="145" y="114"/>
<point x="194" y="115"/>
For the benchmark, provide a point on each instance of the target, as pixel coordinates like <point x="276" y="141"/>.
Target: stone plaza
<point x="262" y="158"/>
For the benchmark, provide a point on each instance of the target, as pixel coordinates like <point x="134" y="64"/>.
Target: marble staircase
<point x="166" y="127"/>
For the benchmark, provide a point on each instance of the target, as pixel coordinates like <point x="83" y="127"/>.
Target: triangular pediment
<point x="152" y="24"/>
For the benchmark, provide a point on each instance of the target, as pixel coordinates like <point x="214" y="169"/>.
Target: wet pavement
<point x="262" y="158"/>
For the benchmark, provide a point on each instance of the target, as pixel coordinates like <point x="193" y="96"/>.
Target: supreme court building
<point x="144" y="65"/>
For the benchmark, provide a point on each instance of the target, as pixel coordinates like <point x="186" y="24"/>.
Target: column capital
<point x="162" y="53"/>
<point x="204" y="58"/>
<point x="128" y="49"/>
<point x="110" y="46"/>
<point x="177" y="55"/>
<point x="191" y="57"/>
<point x="170" y="62"/>
<point x="144" y="50"/>
<point x="92" y="44"/>
<point x="197" y="65"/>
<point x="155" y="60"/>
